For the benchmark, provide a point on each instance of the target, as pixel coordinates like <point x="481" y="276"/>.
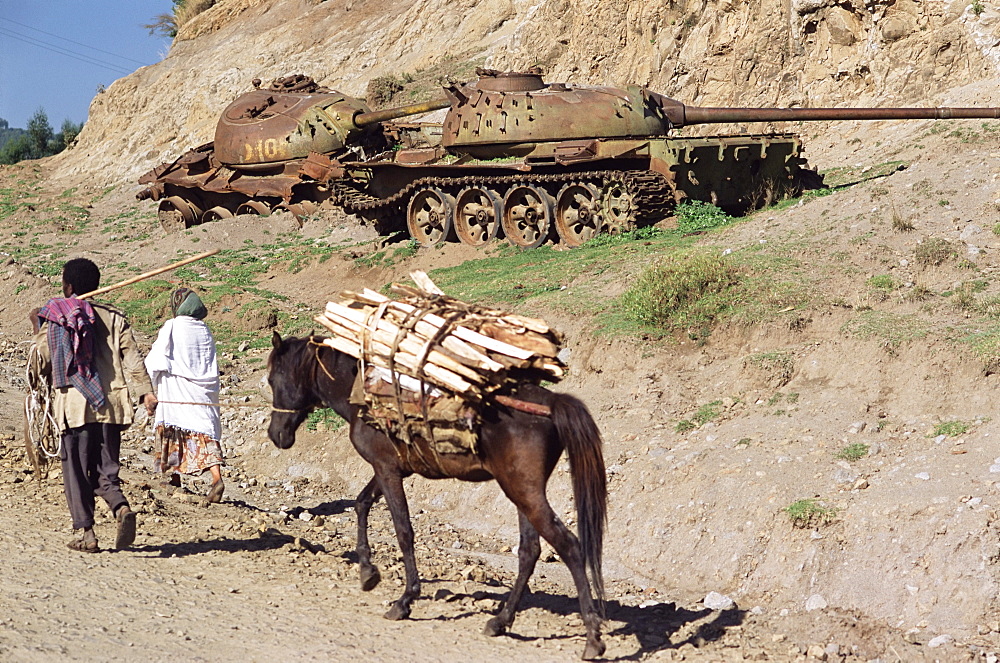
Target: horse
<point x="517" y="449"/>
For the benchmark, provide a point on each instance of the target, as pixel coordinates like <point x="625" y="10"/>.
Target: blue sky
<point x="55" y="53"/>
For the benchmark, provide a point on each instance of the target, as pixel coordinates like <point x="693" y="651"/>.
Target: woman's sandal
<point x="173" y="482"/>
<point x="215" y="492"/>
<point x="83" y="545"/>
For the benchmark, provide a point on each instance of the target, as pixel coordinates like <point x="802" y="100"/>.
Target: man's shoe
<point x="126" y="528"/>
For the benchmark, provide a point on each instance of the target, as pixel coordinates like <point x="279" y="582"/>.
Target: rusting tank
<point x="514" y="156"/>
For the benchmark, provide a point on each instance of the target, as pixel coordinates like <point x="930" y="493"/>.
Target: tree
<point x="70" y="130"/>
<point x="17" y="149"/>
<point x="39" y="134"/>
<point x="38" y="141"/>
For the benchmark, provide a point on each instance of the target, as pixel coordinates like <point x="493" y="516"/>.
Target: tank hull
<point x="579" y="188"/>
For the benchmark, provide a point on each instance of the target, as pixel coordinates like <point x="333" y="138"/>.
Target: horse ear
<point x="276" y="340"/>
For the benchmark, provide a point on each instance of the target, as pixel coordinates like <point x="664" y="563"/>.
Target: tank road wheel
<point x="300" y="211"/>
<point x="578" y="213"/>
<point x="477" y="216"/>
<point x="429" y="216"/>
<point x="255" y="207"/>
<point x="618" y="208"/>
<point x="216" y="214"/>
<point x="176" y="214"/>
<point x="527" y="215"/>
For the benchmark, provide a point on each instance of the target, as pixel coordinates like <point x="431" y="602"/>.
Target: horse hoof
<point x="396" y="613"/>
<point x="370" y="578"/>
<point x="495" y="627"/>
<point x="594" y="650"/>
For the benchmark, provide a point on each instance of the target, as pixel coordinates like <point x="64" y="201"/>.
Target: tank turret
<point x="293" y="117"/>
<point x="265" y="141"/>
<point x="517" y="109"/>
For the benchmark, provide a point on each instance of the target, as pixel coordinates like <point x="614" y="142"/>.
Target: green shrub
<point x="854" y="451"/>
<point x="708" y="412"/>
<point x="810" y="513"/>
<point x="685" y="425"/>
<point x="883" y="282"/>
<point x="683" y="290"/>
<point x="934" y="251"/>
<point x="695" y="215"/>
<point x="951" y="428"/>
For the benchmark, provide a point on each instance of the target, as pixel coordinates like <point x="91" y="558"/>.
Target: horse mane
<point x="298" y="348"/>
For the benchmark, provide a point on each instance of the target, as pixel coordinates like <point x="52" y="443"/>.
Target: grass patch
<point x="852" y="452"/>
<point x="691" y="289"/>
<point x="706" y="413"/>
<point x="810" y="513"/>
<point x="883" y="282"/>
<point x="776" y="367"/>
<point x="685" y="426"/>
<point x="790" y="398"/>
<point x="694" y="290"/>
<point x="324" y="419"/>
<point x="511" y="276"/>
<point x="697" y="216"/>
<point x="146" y="303"/>
<point x="891" y="330"/>
<point x="951" y="428"/>
<point x="934" y="251"/>
<point x="984" y="343"/>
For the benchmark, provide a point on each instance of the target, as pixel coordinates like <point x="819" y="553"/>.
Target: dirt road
<point x="243" y="581"/>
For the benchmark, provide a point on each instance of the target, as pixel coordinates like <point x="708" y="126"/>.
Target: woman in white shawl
<point x="185" y="375"/>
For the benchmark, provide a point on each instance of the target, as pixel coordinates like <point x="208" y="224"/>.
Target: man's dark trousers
<point x="90" y="465"/>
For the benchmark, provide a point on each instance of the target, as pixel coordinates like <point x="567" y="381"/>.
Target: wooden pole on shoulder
<point x="149" y="274"/>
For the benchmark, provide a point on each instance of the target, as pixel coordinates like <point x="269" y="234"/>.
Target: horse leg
<point x="541" y="515"/>
<point x="528" y="552"/>
<point x="392" y="488"/>
<point x="370" y="577"/>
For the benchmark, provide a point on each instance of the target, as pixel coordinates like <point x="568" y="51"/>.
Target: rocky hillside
<point x="883" y="356"/>
<point x="735" y="52"/>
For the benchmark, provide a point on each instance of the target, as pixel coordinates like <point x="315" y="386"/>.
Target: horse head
<point x="291" y="398"/>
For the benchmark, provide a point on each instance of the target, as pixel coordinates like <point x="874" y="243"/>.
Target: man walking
<point x="93" y="359"/>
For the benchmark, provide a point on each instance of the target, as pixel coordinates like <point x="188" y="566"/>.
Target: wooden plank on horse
<point x="450" y="343"/>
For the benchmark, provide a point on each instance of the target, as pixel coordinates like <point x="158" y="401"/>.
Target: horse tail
<point x="582" y="439"/>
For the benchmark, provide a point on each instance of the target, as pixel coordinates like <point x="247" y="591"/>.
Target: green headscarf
<point x="185" y="301"/>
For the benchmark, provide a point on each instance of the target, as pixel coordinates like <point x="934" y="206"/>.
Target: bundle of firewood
<point x="429" y="336"/>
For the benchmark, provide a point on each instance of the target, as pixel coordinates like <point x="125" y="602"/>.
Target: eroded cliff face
<point x="734" y="52"/>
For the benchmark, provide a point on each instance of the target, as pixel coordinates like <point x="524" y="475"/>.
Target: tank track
<point x="653" y="195"/>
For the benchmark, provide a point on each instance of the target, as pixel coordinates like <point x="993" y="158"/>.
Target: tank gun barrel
<point x="686" y="115"/>
<point x="364" y="119"/>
